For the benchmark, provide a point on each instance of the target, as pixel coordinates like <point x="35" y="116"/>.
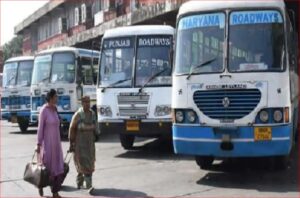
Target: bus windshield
<point x="10" y="74"/>
<point x="153" y="56"/>
<point x="41" y="69"/>
<point x="24" y="73"/>
<point x="117" y="62"/>
<point x="200" y="39"/>
<point x="256" y="41"/>
<point x="63" y="68"/>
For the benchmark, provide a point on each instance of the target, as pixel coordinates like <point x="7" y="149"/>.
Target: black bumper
<point x="146" y="129"/>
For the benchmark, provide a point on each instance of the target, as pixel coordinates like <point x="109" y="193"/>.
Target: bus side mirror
<point x="292" y="18"/>
<point x="79" y="72"/>
<point x="171" y="56"/>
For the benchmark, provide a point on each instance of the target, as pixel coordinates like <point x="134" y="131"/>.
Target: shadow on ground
<point x="157" y="149"/>
<point x="118" y="193"/>
<point x="254" y="174"/>
<point x="28" y="132"/>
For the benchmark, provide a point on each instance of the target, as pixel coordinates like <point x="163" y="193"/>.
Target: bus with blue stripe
<point x="72" y="72"/>
<point x="15" y="96"/>
<point x="235" y="82"/>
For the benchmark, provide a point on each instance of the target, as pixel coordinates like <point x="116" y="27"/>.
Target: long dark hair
<point x="50" y="94"/>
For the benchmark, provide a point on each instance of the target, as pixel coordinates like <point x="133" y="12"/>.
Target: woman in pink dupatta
<point x="49" y="143"/>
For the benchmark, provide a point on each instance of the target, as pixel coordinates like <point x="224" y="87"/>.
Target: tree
<point x="13" y="48"/>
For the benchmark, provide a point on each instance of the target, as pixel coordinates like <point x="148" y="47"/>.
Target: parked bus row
<point x="234" y="92"/>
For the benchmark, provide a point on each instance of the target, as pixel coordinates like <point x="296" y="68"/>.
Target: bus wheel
<point x="64" y="131"/>
<point x="127" y="141"/>
<point x="281" y="162"/>
<point x="23" y="124"/>
<point x="205" y="162"/>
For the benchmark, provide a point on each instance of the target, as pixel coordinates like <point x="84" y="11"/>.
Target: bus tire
<point x="281" y="162"/>
<point x="23" y="124"/>
<point x="204" y="162"/>
<point x="64" y="131"/>
<point x="127" y="141"/>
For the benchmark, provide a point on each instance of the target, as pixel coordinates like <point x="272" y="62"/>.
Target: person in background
<point x="82" y="135"/>
<point x="49" y="145"/>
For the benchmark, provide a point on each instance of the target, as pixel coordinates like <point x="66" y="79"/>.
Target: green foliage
<point x="13" y="48"/>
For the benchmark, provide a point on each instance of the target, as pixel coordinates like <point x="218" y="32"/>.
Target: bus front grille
<point x="130" y="111"/>
<point x="133" y="104"/>
<point x="227" y="104"/>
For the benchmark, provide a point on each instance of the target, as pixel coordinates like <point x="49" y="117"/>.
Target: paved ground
<point x="151" y="170"/>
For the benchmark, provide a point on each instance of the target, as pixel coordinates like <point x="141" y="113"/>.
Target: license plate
<point x="132" y="125"/>
<point x="14" y="119"/>
<point x="262" y="133"/>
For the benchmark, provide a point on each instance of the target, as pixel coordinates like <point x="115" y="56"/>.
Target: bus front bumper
<point x="144" y="128"/>
<point x="12" y="116"/>
<point x="207" y="141"/>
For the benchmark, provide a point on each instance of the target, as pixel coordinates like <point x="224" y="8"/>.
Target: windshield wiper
<point x="152" y="77"/>
<point x="113" y="84"/>
<point x="13" y="77"/>
<point x="44" y="79"/>
<point x="198" y="66"/>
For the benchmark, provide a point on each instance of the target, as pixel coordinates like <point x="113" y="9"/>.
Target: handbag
<point x="36" y="174"/>
<point x="66" y="164"/>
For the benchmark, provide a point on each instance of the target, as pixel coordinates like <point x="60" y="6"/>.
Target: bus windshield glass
<point x="41" y="69"/>
<point x="153" y="57"/>
<point x="256" y="41"/>
<point x="116" y="64"/>
<point x="24" y="73"/>
<point x="200" y="41"/>
<point x="10" y="74"/>
<point x="63" y="67"/>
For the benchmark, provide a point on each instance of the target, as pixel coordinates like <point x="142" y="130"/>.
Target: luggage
<point x="66" y="165"/>
<point x="36" y="174"/>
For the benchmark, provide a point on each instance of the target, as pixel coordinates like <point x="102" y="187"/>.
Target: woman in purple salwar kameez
<point x="49" y="143"/>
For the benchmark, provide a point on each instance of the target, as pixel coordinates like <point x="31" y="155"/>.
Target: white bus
<point x="15" y="96"/>
<point x="134" y="93"/>
<point x="70" y="71"/>
<point x="235" y="84"/>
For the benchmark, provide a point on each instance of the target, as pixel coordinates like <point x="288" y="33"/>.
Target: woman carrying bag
<point x="49" y="143"/>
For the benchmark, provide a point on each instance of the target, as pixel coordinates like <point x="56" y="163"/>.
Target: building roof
<point x="207" y="5"/>
<point x="20" y="58"/>
<point x="139" y="30"/>
<point x="48" y="7"/>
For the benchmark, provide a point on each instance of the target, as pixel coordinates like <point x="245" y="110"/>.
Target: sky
<point x="12" y="12"/>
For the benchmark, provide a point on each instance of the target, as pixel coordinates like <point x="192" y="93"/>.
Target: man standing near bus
<point x="82" y="136"/>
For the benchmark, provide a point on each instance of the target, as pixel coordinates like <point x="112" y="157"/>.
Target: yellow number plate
<point x="14" y="119"/>
<point x="262" y="133"/>
<point x="132" y="125"/>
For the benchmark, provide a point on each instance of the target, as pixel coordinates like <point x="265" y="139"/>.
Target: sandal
<point x="56" y="195"/>
<point x="41" y="192"/>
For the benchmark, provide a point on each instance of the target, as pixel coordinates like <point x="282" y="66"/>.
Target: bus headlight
<point x="37" y="92"/>
<point x="278" y="115"/>
<point x="179" y="115"/>
<point x="191" y="116"/>
<point x="60" y="91"/>
<point x="264" y="116"/>
<point x="105" y="111"/>
<point x="162" y="110"/>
